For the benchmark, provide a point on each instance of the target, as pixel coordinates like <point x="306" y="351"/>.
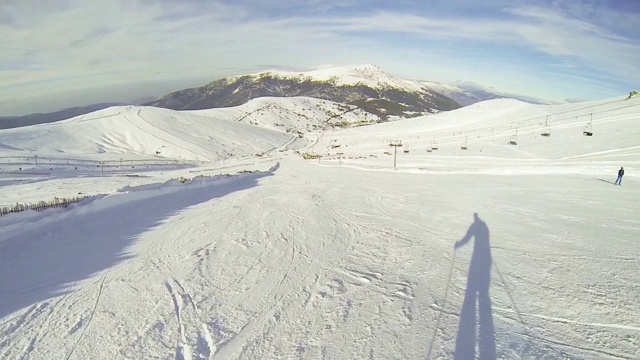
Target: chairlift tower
<point x="546" y="130"/>
<point x="396" y="144"/>
<point x="514" y="138"/>
<point x="340" y="153"/>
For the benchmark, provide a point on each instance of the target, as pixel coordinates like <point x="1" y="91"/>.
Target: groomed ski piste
<point x="222" y="242"/>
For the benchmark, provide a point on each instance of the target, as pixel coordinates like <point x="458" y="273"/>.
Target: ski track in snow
<point x="93" y="312"/>
<point x="325" y="261"/>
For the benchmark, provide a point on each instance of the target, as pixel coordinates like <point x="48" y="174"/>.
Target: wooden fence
<point x="41" y="205"/>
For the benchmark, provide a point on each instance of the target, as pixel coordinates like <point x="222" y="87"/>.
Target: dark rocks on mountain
<point x="383" y="101"/>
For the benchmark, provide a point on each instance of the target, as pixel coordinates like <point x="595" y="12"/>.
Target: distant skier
<point x="620" y="175"/>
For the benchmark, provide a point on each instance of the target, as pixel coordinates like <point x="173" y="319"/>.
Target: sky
<point x="58" y="54"/>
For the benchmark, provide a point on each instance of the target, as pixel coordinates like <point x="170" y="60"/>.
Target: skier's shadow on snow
<point x="42" y="262"/>
<point x="607" y="181"/>
<point x="477" y="294"/>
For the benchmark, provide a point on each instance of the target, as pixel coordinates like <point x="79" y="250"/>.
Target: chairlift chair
<point x="588" y="129"/>
<point x="546" y="131"/>
<point x="465" y="145"/>
<point x="514" y="138"/>
<point x="434" y="145"/>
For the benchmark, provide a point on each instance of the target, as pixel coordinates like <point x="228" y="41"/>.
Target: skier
<point x="620" y="174"/>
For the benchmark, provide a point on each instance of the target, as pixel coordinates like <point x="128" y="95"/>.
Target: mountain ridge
<point x="366" y="86"/>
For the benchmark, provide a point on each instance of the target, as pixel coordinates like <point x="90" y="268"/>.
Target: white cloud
<point x="72" y="44"/>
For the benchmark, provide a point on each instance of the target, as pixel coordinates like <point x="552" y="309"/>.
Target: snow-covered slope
<point x="261" y="125"/>
<point x="130" y="130"/>
<point x="487" y="128"/>
<point x="296" y="114"/>
<point x="500" y="251"/>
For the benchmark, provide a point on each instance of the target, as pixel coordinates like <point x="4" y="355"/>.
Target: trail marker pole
<point x="396" y="144"/>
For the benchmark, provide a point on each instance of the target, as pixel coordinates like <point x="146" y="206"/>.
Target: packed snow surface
<point x="210" y="250"/>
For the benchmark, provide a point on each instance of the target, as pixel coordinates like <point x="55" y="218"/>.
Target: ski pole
<point x="444" y="302"/>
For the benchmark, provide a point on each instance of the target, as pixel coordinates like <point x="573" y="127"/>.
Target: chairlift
<point x="465" y="145"/>
<point x="546" y="130"/>
<point x="514" y="138"/>
<point x="588" y="129"/>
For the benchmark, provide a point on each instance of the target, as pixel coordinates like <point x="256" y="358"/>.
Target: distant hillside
<point x="9" y="122"/>
<point x="469" y="93"/>
<point x="464" y="95"/>
<point x="508" y="129"/>
<point x="296" y="115"/>
<point x="367" y="87"/>
<point x="146" y="131"/>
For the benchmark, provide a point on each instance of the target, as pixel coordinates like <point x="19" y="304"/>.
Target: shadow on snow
<point x="43" y="262"/>
<point x="607" y="181"/>
<point x="476" y="309"/>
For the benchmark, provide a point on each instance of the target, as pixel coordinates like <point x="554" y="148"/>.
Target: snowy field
<point x="499" y="251"/>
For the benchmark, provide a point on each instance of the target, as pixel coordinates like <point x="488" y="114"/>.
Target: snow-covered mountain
<point x="488" y="239"/>
<point x="367" y="87"/>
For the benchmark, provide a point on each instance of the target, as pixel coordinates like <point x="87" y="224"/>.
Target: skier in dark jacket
<point x="620" y="174"/>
